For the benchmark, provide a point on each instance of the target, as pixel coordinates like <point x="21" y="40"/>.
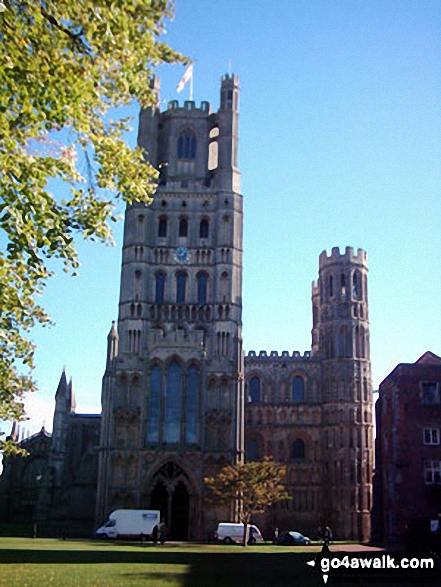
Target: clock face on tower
<point x="182" y="255"/>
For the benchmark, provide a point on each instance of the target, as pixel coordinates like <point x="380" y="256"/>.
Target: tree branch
<point x="76" y="37"/>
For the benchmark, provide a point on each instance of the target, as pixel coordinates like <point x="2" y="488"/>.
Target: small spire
<point x="73" y="403"/>
<point x="62" y="385"/>
<point x="112" y="343"/>
<point x="113" y="331"/>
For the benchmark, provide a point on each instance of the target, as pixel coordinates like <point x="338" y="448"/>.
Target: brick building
<point x="407" y="482"/>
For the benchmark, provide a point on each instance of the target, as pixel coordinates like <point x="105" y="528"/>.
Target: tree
<point x="252" y="487"/>
<point x="63" y="65"/>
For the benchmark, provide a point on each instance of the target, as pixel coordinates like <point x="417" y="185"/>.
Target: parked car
<point x="292" y="538"/>
<point x="233" y="533"/>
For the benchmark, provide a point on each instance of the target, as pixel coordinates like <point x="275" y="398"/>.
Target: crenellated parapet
<point x="358" y="258"/>
<point x="189" y="108"/>
<point x="275" y="355"/>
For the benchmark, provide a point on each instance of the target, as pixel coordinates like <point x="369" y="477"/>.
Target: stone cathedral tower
<point x="172" y="394"/>
<point x="341" y="329"/>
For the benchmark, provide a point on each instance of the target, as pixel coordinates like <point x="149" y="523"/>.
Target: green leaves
<point x="63" y="64"/>
<point x="252" y="486"/>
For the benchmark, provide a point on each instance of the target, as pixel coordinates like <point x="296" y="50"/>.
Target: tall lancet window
<point x="183" y="227"/>
<point x="204" y="228"/>
<point x="202" y="279"/>
<point x="159" y="288"/>
<point x="187" y="144"/>
<point x="154" y="404"/>
<point x="162" y="227"/>
<point x="298" y="390"/>
<point x="254" y="390"/>
<point x="192" y="405"/>
<point x="181" y="286"/>
<point x="173" y="403"/>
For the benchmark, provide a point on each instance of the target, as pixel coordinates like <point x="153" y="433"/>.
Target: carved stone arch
<point x="254" y="386"/>
<point x="195" y="363"/>
<point x="296" y="375"/>
<point x="190" y="128"/>
<point x="173" y="358"/>
<point x="186" y="149"/>
<point x="294" y="440"/>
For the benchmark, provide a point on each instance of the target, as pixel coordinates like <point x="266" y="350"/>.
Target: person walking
<point x="161" y="530"/>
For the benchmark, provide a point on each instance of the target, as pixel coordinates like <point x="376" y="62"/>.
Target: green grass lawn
<point x="46" y="562"/>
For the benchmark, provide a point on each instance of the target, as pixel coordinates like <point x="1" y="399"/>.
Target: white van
<point x="233" y="533"/>
<point x="129" y="523"/>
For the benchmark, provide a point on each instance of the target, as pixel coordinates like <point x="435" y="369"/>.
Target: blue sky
<point x="340" y="145"/>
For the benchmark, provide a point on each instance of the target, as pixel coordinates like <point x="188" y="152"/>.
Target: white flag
<point x="187" y="75"/>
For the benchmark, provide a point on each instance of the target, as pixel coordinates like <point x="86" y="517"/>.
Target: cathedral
<point x="179" y="398"/>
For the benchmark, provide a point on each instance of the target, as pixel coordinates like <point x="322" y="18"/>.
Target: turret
<point x="228" y="119"/>
<point x="63" y="407"/>
<point x="340" y="305"/>
<point x="112" y="344"/>
<point x="148" y="123"/>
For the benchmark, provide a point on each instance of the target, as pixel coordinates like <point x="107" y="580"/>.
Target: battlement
<point x="325" y="260"/>
<point x="188" y="108"/>
<point x="230" y="77"/>
<point x="275" y="355"/>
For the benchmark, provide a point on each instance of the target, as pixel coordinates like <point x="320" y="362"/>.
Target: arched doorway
<point x="180" y="506"/>
<point x="159" y="499"/>
<point x="170" y="495"/>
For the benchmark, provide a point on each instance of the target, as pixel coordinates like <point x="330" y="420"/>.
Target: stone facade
<point x="173" y="396"/>
<point x="408" y="451"/>
<point x="56" y="484"/>
<point x="313" y="412"/>
<point x="177" y="396"/>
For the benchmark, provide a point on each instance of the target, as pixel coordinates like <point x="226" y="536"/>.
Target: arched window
<point x="183" y="227"/>
<point x="173" y="401"/>
<point x="252" y="453"/>
<point x="159" y="288"/>
<point x="155" y="393"/>
<point x="331" y="286"/>
<point x="254" y="390"/>
<point x="192" y="403"/>
<point x="162" y="226"/>
<point x="181" y="286"/>
<point x="224" y="287"/>
<point x="343" y="284"/>
<point x="298" y="390"/>
<point x="202" y="279"/>
<point x="297" y="449"/>
<point x="204" y="228"/>
<point x="187" y="144"/>
<point x="356" y="285"/>
<point x="213" y="150"/>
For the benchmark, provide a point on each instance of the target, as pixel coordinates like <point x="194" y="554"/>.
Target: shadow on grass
<point x="247" y="569"/>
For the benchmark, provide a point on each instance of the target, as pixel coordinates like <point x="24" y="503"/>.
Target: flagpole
<point x="191" y="85"/>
